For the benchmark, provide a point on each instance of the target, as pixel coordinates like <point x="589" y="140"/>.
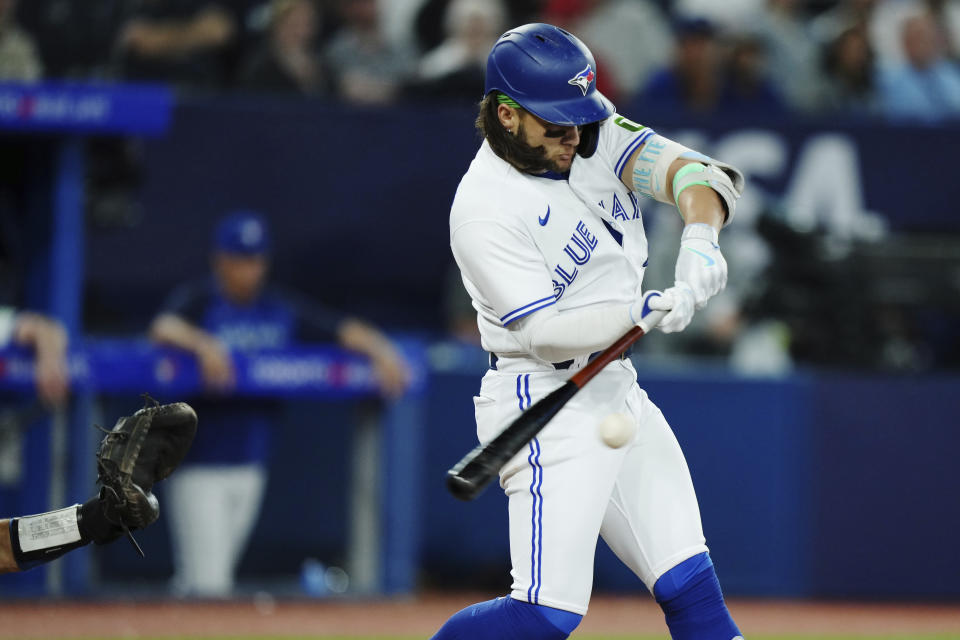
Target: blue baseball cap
<point x="242" y="232"/>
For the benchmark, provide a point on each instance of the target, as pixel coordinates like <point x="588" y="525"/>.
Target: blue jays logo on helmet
<point x="583" y="79"/>
<point x="535" y="65"/>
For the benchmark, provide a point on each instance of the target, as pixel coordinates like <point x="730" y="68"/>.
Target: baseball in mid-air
<point x="616" y="430"/>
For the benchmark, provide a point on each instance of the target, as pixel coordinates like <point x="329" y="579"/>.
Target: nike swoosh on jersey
<point x="710" y="261"/>
<point x="543" y="220"/>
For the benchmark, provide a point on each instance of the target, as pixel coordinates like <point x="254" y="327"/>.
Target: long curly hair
<point x="508" y="146"/>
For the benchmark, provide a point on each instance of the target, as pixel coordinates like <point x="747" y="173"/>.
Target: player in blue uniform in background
<point x="215" y="498"/>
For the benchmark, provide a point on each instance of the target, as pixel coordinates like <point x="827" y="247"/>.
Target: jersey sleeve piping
<point x="633" y="146"/>
<point x="527" y="309"/>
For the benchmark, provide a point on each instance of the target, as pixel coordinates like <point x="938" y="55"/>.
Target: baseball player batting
<point x="547" y="232"/>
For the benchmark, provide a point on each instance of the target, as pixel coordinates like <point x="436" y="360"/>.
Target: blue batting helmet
<point x="548" y="72"/>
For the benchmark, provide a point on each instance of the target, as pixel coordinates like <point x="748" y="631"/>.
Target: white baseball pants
<point x="212" y="511"/>
<point x="567" y="487"/>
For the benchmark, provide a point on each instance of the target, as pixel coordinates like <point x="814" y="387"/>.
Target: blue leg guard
<point x="508" y="619"/>
<point x="690" y="597"/>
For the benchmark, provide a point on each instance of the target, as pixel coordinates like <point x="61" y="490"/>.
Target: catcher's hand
<point x="138" y="452"/>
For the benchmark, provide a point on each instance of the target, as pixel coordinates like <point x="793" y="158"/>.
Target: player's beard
<point x="530" y="159"/>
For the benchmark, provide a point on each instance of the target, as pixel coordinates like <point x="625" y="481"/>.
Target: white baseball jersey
<point x="527" y="242"/>
<point x="524" y="243"/>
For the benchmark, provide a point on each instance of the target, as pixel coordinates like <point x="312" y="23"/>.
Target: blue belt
<point x="566" y="364"/>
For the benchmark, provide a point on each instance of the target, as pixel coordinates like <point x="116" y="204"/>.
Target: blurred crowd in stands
<point x="689" y="59"/>
<point x="889" y="58"/>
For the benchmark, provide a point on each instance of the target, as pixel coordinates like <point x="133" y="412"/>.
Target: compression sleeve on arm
<point x="554" y="336"/>
<point x="653" y="163"/>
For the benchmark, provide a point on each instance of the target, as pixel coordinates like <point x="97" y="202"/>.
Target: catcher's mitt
<point x="138" y="452"/>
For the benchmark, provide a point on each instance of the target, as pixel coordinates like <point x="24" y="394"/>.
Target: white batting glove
<point x="679" y="301"/>
<point x="700" y="263"/>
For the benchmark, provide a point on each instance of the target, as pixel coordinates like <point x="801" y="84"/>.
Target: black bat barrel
<point x="474" y="472"/>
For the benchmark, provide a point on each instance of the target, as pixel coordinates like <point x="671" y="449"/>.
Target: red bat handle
<point x="606" y="356"/>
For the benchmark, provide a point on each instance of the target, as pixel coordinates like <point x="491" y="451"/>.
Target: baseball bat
<point x="475" y="470"/>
